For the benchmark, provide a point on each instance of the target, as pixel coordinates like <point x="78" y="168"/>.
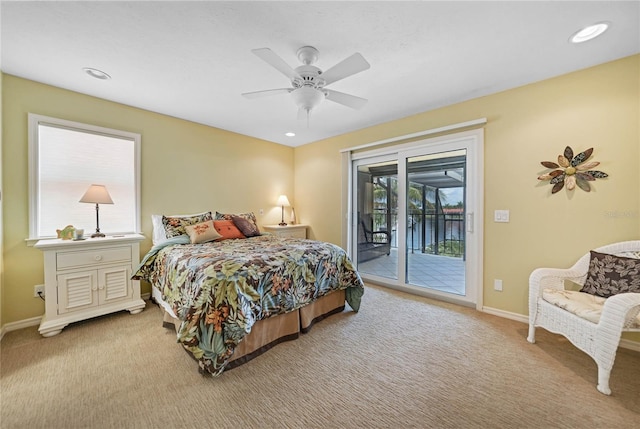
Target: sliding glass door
<point x="416" y="215"/>
<point x="377" y="217"/>
<point x="436" y="221"/>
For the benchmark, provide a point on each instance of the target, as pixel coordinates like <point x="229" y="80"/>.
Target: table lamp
<point x="97" y="194"/>
<point x="283" y="201"/>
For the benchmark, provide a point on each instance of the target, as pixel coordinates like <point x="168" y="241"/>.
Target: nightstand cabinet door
<point x="77" y="291"/>
<point x="114" y="284"/>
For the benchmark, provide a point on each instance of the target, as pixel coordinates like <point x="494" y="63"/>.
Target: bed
<point x="231" y="299"/>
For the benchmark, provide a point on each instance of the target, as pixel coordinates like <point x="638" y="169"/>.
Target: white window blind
<point x="68" y="157"/>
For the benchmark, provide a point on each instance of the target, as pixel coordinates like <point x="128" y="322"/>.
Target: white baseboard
<point x="14" y="326"/>
<point x="506" y="314"/>
<point x="624" y="343"/>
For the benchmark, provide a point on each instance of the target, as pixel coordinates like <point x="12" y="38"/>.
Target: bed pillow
<point x="229" y="216"/>
<point x="227" y="229"/>
<point x="248" y="228"/>
<point x="174" y="225"/>
<point x="158" y="233"/>
<point x="610" y="274"/>
<point x="202" y="232"/>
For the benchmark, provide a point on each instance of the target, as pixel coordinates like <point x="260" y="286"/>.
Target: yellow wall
<point x="597" y="107"/>
<point x="186" y="168"/>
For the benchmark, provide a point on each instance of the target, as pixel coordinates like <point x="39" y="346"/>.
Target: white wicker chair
<point x="600" y="341"/>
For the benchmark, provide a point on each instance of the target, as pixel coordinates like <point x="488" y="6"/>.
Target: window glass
<point x="66" y="159"/>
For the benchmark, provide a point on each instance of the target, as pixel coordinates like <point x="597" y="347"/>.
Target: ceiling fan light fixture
<point x="590" y="32"/>
<point x="307" y="98"/>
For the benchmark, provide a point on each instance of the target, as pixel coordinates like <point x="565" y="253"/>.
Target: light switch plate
<point x="501" y="216"/>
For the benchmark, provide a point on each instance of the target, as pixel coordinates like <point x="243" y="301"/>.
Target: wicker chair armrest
<point x="553" y="278"/>
<point x="619" y="310"/>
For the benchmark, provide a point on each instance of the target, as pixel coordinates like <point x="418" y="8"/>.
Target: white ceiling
<point x="192" y="60"/>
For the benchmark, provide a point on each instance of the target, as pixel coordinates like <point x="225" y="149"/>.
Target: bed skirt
<point x="269" y="332"/>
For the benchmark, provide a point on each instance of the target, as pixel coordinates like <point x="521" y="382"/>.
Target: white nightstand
<point x="88" y="278"/>
<point x="297" y="230"/>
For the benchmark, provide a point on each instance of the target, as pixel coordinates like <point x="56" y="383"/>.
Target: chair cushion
<point x="584" y="305"/>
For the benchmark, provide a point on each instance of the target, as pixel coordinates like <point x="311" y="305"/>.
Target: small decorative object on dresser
<point x="297" y="231"/>
<point x="89" y="278"/>
<point x="65" y="233"/>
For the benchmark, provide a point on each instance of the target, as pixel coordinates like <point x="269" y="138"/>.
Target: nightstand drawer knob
<point x="98" y="257"/>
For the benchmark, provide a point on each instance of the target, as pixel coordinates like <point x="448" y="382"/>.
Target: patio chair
<point x="594" y="324"/>
<point x="372" y="244"/>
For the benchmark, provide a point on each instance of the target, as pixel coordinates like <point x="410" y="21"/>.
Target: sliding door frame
<point x="473" y="142"/>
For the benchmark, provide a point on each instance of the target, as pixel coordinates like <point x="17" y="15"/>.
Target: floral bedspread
<point x="218" y="290"/>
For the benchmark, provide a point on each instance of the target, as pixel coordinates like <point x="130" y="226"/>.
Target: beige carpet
<point x="403" y="361"/>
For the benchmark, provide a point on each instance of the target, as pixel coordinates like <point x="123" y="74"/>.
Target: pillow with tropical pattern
<point x="229" y="216"/>
<point x="174" y="225"/>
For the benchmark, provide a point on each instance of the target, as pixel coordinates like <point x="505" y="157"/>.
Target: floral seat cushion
<point x="584" y="305"/>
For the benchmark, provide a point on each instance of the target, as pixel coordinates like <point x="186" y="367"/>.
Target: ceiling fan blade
<point x="266" y="92"/>
<point x="345" y="99"/>
<point x="275" y="61"/>
<point x="350" y="66"/>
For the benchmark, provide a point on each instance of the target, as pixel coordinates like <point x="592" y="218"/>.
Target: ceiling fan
<point x="308" y="82"/>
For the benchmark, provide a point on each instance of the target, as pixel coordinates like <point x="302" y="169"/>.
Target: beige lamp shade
<point x="96" y="194"/>
<point x="283" y="201"/>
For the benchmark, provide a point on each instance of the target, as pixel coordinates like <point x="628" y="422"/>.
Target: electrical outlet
<point x="497" y="285"/>
<point x="261" y="211"/>
<point x="38" y="289"/>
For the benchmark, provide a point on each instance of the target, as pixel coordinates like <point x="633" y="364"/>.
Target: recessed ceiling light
<point x="98" y="74"/>
<point x="290" y="134"/>
<point x="589" y="32"/>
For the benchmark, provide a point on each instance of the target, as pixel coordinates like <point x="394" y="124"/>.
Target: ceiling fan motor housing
<point x="309" y="76"/>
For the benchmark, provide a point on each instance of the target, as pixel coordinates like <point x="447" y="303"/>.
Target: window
<point x="65" y="158"/>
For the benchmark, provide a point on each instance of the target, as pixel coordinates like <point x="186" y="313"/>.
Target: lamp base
<point x="97" y="235"/>
<point x="283" y="224"/>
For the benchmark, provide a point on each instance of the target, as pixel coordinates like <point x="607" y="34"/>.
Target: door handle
<point x="470" y="219"/>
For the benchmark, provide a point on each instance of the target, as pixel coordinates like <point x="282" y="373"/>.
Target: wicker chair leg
<point x="603" y="380"/>
<point x="532" y="333"/>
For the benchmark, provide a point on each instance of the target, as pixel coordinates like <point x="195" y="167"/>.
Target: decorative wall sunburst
<point x="572" y="170"/>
